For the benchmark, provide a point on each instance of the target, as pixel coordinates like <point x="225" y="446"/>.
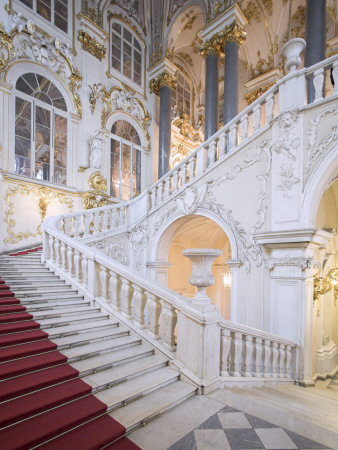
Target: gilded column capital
<point x="215" y="45"/>
<point x="163" y="79"/>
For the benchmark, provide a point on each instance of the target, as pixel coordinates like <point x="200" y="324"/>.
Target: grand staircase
<point x="71" y="375"/>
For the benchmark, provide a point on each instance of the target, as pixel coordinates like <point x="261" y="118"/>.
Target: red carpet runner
<point x="44" y="383"/>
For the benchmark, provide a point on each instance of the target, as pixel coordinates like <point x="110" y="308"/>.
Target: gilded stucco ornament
<point x="44" y="196"/>
<point x="97" y="196"/>
<point x="91" y="45"/>
<point x="163" y="79"/>
<point x="98" y="182"/>
<point x="7" y="52"/>
<point x="253" y="95"/>
<point x="25" y="41"/>
<point x="186" y="129"/>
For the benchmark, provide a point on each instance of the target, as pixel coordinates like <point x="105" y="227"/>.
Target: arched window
<point x="54" y="11"/>
<point x="125" y="161"/>
<point x="126" y="53"/>
<point x="181" y="96"/>
<point x="40" y="129"/>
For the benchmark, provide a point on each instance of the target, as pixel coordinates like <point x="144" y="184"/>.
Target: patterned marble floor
<point x="230" y="429"/>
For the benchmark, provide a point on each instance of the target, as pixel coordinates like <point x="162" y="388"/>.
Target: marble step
<point x="44" y="306"/>
<point x="54" y="297"/>
<point x="152" y="405"/>
<point x="46" y="287"/>
<point x="90" y="337"/>
<point x="53" y="301"/>
<point x="20" y="265"/>
<point x="73" y="329"/>
<point x="112" y="359"/>
<point x="22" y="284"/>
<point x="100" y="348"/>
<point x="274" y="409"/>
<point x="64" y="312"/>
<point x="44" y="291"/>
<point x="44" y="276"/>
<point x="52" y="323"/>
<point x="123" y="372"/>
<point x="23" y="270"/>
<point x="137" y="387"/>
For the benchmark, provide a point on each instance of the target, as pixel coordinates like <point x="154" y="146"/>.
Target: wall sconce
<point x="227" y="279"/>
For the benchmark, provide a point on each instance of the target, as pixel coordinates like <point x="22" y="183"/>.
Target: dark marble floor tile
<point x="303" y="442"/>
<point x="187" y="442"/>
<point x="212" y="423"/>
<point x="243" y="438"/>
<point x="255" y="422"/>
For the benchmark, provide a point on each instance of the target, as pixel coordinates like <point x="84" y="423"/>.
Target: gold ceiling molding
<point x="163" y="79"/>
<point x="91" y="45"/>
<point x="186" y="58"/>
<point x="253" y="95"/>
<point x="44" y="195"/>
<point x="215" y="45"/>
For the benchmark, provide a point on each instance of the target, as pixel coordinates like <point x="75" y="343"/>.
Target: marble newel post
<point x="198" y="325"/>
<point x="315" y="36"/>
<point x="163" y="79"/>
<point x="223" y="33"/>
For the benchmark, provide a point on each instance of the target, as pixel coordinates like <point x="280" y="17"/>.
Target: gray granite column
<point x="211" y="94"/>
<point x="315" y="36"/>
<point x="230" y="81"/>
<point x="164" y="132"/>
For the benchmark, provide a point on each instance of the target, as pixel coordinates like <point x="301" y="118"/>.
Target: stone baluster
<point x="153" y="197"/>
<point x="70" y="260"/>
<point x="114" y="218"/>
<point x="57" y="252"/>
<point x="77" y="226"/>
<point x="335" y="76"/>
<point x="236" y="354"/>
<point x="183" y="174"/>
<point x="63" y="256"/>
<point x="77" y="265"/>
<point x="244" y="127"/>
<point x="154" y="310"/>
<point x="318" y="83"/>
<point x="201" y="160"/>
<point x="66" y="226"/>
<point x="87" y="222"/>
<point x="84" y="268"/>
<point x="281" y="361"/>
<point x="126" y="298"/>
<point x="114" y="290"/>
<point x="51" y="248"/>
<point x="167" y="183"/>
<point x="222" y="142"/>
<point x="269" y="105"/>
<point x="103" y="282"/>
<point x="258" y="352"/>
<point x="159" y="196"/>
<point x="247" y="360"/>
<point x="212" y="156"/>
<point x="233" y="136"/>
<point x="169" y="321"/>
<point x="192" y="165"/>
<point x="122" y="216"/>
<point x="175" y="181"/>
<point x="97" y="223"/>
<point x="105" y="221"/>
<point x="256" y="115"/>
<point x="139" y="303"/>
<point x="266" y="358"/>
<point x="274" y="358"/>
<point x="225" y="349"/>
<point x="287" y="361"/>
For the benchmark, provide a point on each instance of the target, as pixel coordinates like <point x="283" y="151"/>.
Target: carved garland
<point x="91" y="45"/>
<point x="215" y="45"/>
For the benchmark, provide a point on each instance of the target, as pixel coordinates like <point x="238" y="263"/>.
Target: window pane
<point x="117" y="27"/>
<point x="43" y="97"/>
<point x="60" y="134"/>
<point x="127" y="66"/>
<point x="43" y="83"/>
<point x="23" y="127"/>
<point x="43" y="9"/>
<point x="136" y="172"/>
<point x="61" y="8"/>
<point x="127" y="35"/>
<point x="42" y="116"/>
<point x="28" y="3"/>
<point x="115" y="169"/>
<point x="22" y="165"/>
<point x="22" y="146"/>
<point x="21" y="85"/>
<point x="30" y="78"/>
<point x="22" y="108"/>
<point x="126" y="49"/>
<point x="137" y="45"/>
<point x="126" y="172"/>
<point x="61" y="22"/>
<point x="60" y="103"/>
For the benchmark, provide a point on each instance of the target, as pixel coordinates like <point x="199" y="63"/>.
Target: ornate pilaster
<point x="162" y="80"/>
